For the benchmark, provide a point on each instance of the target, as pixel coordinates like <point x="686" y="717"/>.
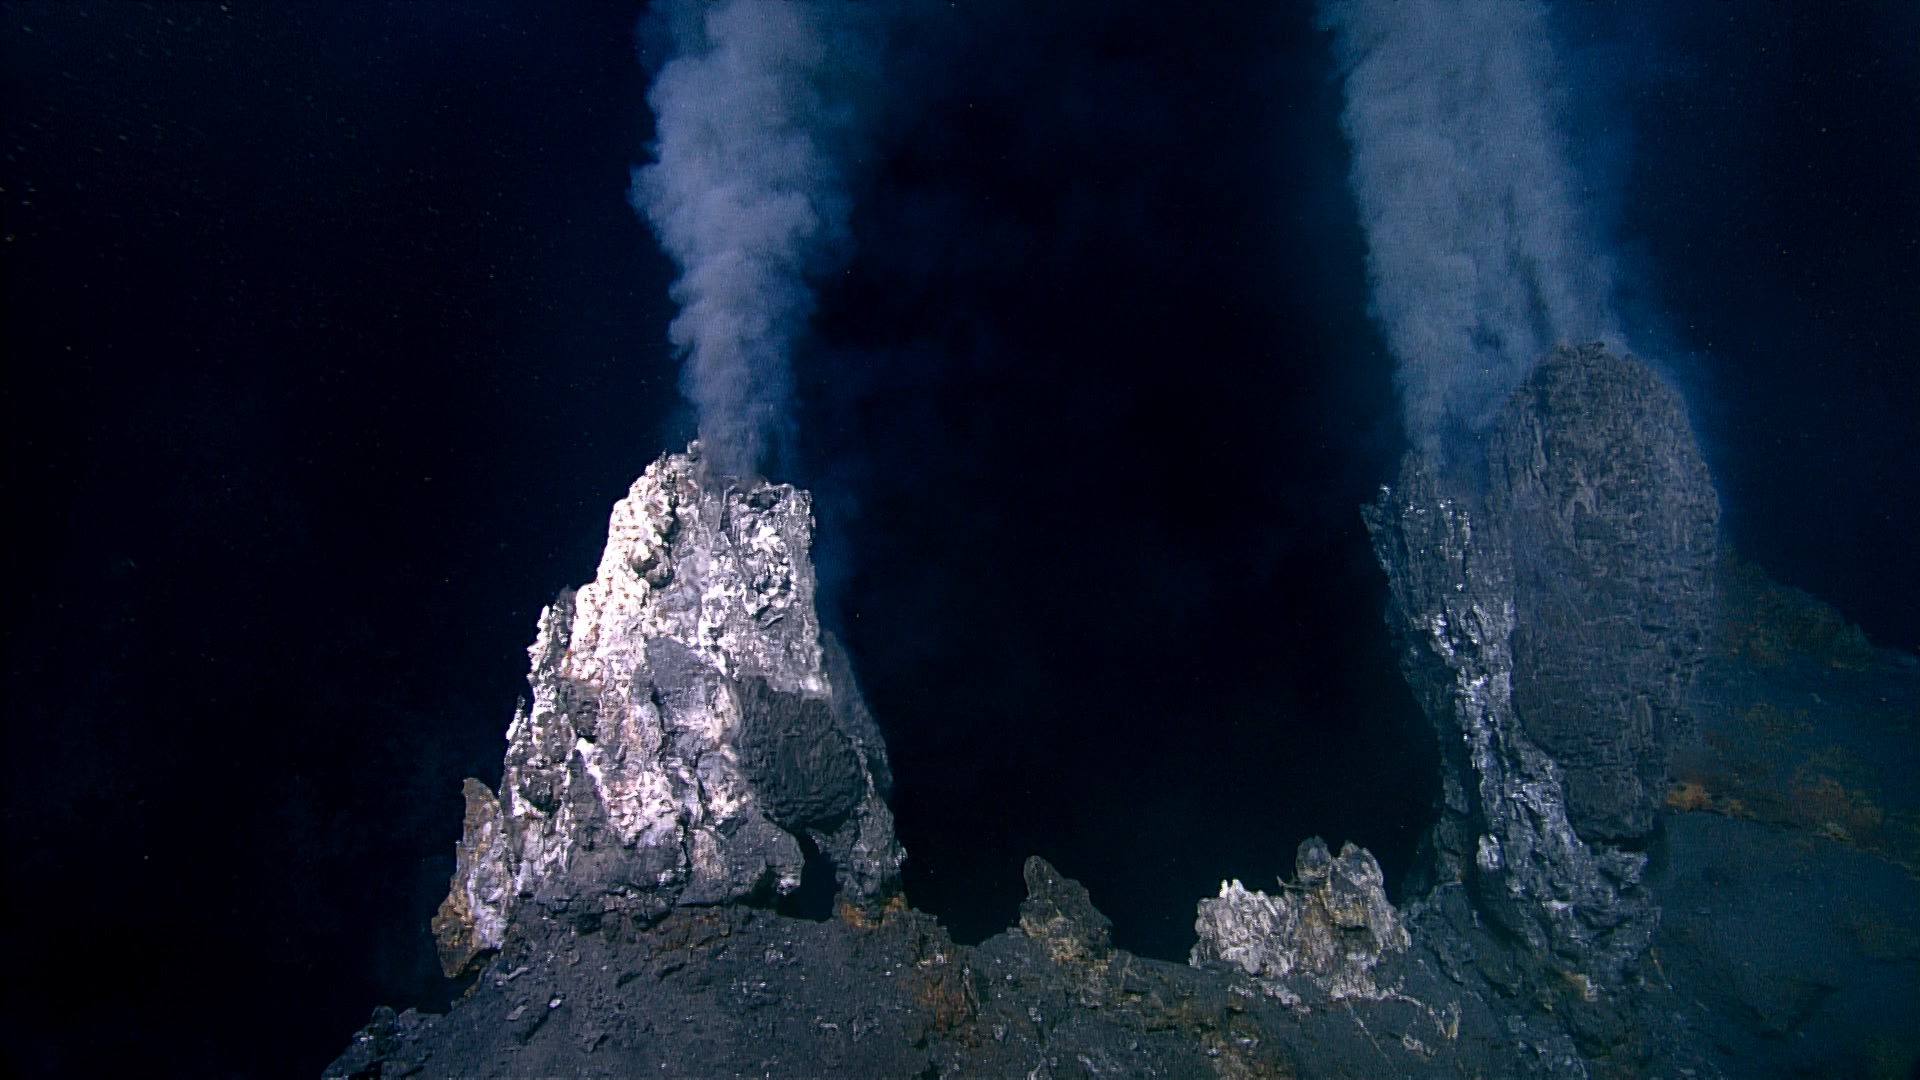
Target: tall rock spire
<point x="691" y="733"/>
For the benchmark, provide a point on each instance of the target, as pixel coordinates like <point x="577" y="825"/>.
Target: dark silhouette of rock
<point x="1551" y="629"/>
<point x="1552" y="632"/>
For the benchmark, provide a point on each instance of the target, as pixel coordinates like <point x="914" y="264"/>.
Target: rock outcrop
<point x="1321" y="937"/>
<point x="1608" y="509"/>
<point x="692" y="733"/>
<point x="1551" y="635"/>
<point x="1550" y="612"/>
<point x="1550" y="630"/>
<point x="1503" y="829"/>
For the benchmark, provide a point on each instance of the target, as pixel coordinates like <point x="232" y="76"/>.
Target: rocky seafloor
<point x="1678" y="836"/>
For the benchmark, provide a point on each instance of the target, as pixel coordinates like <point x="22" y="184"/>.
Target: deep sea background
<point x="330" y="338"/>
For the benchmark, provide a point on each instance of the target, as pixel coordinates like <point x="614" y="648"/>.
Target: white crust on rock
<point x="1321" y="936"/>
<point x="622" y="786"/>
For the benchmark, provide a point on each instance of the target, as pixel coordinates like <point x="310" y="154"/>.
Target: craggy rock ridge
<point x="691" y="733"/>
<point x="1581" y="641"/>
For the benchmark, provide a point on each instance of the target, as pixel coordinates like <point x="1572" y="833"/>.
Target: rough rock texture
<point x="1555" y="626"/>
<point x="1504" y="830"/>
<point x="688" y="727"/>
<point x="1551" y="632"/>
<point x="1552" y="635"/>
<point x="1789" y="864"/>
<point x="1613" y="524"/>
<point x="1322" y="936"/>
<point x="734" y="990"/>
<point x="1786" y="857"/>
<point x="1060" y="915"/>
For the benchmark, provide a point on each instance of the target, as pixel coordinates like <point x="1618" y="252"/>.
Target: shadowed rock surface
<point x="1567" y="634"/>
<point x="1598" y="484"/>
<point x="1515" y="896"/>
<point x="1550" y="632"/>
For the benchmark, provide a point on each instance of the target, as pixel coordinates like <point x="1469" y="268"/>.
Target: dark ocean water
<point x="330" y="338"/>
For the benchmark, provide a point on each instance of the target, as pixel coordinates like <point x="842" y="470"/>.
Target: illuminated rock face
<point x="1323" y="934"/>
<point x="689" y="725"/>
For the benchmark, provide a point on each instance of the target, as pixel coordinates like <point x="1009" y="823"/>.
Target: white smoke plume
<point x="755" y="126"/>
<point x="1476" y="254"/>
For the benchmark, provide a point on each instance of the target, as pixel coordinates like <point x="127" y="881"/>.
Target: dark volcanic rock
<point x="1504" y="830"/>
<point x="1611" y="518"/>
<point x="733" y="990"/>
<point x="1756" y="918"/>
<point x="1551" y="632"/>
<point x="807" y="772"/>
<point x="691" y="726"/>
<point x="739" y="991"/>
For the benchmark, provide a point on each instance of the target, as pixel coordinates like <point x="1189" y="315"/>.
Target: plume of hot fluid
<point x="756" y="122"/>
<point x="1477" y="257"/>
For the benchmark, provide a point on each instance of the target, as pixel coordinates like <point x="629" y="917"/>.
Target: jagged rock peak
<point x="1059" y="914"/>
<point x="1320" y="938"/>
<point x="689" y="725"/>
